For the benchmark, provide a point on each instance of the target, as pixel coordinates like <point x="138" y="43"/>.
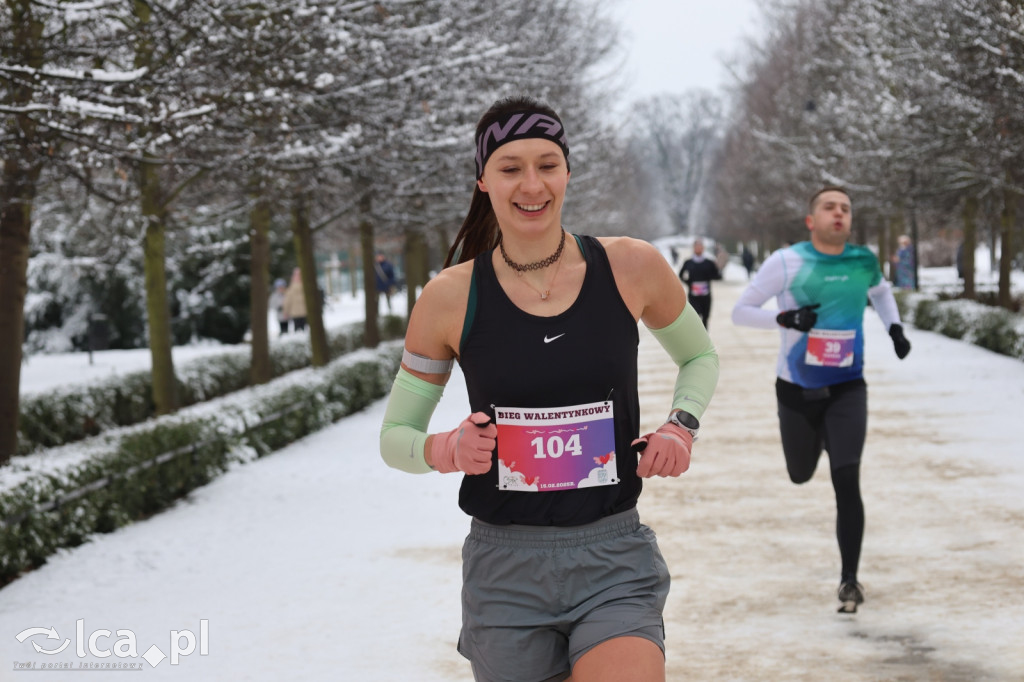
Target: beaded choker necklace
<point x="536" y="265"/>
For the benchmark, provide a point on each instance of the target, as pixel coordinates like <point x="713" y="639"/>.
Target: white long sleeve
<point x="884" y="303"/>
<point x="768" y="283"/>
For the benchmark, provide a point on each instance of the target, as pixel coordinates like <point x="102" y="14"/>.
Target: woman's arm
<point x="431" y="341"/>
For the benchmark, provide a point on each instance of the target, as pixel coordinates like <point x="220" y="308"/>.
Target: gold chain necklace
<point x="536" y="265"/>
<point x="547" y="292"/>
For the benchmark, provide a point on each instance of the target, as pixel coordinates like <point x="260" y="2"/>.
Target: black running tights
<point x="837" y="423"/>
<point x="849" y="517"/>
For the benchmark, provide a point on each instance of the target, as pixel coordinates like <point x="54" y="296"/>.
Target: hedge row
<point x="73" y="413"/>
<point x="57" y="498"/>
<point x="996" y="329"/>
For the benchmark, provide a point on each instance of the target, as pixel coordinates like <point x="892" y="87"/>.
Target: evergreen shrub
<point x="927" y="315"/>
<point x="71" y="413"/>
<point x="59" y="497"/>
<point x="995" y="330"/>
<point x="952" y="323"/>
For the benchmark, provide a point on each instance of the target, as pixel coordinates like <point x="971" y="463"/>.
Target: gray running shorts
<point x="536" y="598"/>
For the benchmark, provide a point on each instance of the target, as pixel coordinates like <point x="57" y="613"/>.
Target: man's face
<point x="830" y="220"/>
<point x="698" y="248"/>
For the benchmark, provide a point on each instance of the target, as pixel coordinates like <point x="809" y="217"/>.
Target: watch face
<point x="686" y="419"/>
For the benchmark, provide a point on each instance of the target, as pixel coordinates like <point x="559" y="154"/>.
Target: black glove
<point x="899" y="342"/>
<point x="801" y="319"/>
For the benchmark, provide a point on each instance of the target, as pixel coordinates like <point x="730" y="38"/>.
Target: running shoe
<point x="851" y="594"/>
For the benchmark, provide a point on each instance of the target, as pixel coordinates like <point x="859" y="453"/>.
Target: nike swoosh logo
<point x="547" y="340"/>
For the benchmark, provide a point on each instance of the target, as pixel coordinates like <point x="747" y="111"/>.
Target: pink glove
<point x="666" y="452"/>
<point x="467" y="448"/>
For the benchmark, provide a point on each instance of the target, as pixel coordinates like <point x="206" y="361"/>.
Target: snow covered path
<point x="320" y="563"/>
<point x="755" y="557"/>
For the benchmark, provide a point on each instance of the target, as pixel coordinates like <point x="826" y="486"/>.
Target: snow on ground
<point x="320" y="563"/>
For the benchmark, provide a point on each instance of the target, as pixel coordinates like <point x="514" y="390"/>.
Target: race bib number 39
<point x="555" y="448"/>
<point x="830" y="347"/>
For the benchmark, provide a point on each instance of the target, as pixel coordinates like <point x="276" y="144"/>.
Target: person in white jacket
<point x="276" y="303"/>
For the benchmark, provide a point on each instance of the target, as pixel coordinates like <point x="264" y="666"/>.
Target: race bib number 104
<point x="556" y="448"/>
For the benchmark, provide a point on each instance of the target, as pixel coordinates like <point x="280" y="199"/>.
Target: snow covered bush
<point x="953" y="323"/>
<point x="59" y="497"/>
<point x="62" y="295"/>
<point x="72" y="413"/>
<point x="996" y="329"/>
<point x="927" y="315"/>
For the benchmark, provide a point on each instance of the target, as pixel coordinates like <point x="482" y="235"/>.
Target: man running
<point x="822" y="287"/>
<point x="698" y="272"/>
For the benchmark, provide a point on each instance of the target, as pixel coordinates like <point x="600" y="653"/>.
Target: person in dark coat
<point x="748" y="260"/>
<point x="697" y="273"/>
<point x="384" y="271"/>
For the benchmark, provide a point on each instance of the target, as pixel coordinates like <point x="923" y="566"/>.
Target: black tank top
<point x="586" y="354"/>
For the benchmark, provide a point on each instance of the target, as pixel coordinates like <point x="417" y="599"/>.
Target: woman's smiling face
<point x="526" y="182"/>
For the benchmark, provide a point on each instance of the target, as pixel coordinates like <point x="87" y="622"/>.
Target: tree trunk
<point x="260" y="369"/>
<point x="416" y="266"/>
<point x="443" y="244"/>
<point x="993" y="244"/>
<point x="860" y="232"/>
<point x="158" y="311"/>
<point x="424" y="262"/>
<point x="883" y="245"/>
<point x="353" y="266"/>
<point x="1006" y="249"/>
<point x="17" y="194"/>
<point x="969" y="245"/>
<point x="896" y="227"/>
<point x="371" y="333"/>
<point x="22" y="165"/>
<point x="303" y="237"/>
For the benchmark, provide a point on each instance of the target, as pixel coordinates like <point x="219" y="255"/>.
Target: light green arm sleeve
<point x="690" y="347"/>
<point x="403" y="435"/>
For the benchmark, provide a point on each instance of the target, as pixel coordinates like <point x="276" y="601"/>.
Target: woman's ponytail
<point x="479" y="231"/>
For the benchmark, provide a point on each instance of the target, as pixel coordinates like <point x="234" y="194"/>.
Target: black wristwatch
<point x="685" y="420"/>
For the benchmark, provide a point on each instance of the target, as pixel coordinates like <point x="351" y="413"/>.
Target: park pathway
<point x="754" y="558"/>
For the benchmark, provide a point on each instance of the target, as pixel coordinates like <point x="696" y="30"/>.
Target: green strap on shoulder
<point x="467" y="323"/>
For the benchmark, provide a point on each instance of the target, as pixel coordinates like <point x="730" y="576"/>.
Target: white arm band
<point x="425" y="365"/>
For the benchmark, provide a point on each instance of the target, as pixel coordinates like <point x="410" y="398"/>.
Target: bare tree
<point x="676" y="136"/>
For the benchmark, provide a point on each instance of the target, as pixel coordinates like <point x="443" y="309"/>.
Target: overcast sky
<point x="677" y="45"/>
